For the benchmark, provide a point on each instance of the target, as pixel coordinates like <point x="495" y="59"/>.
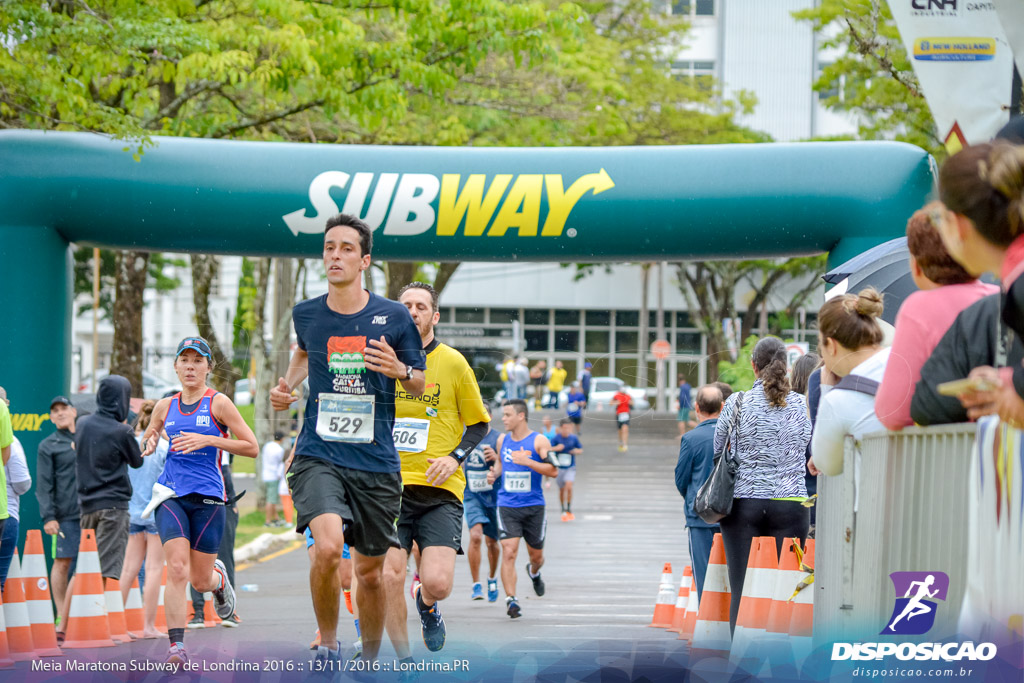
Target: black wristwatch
<point x="459" y="455"/>
<point x="408" y="372"/>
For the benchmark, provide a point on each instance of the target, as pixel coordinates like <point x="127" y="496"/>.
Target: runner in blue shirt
<point x="567" y="447"/>
<point x="354" y="346"/>
<point x="197" y="421"/>
<point x="480" y="504"/>
<point x="525" y="459"/>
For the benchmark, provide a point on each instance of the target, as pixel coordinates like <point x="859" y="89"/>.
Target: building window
<point x="627" y="318"/>
<point x="504" y="315"/>
<point x="567" y="340"/>
<point x="536" y="340"/>
<point x="567" y="317"/>
<point x="597" y="341"/>
<point x="626" y="342"/>
<point x="700" y="8"/>
<point x="599" y="319"/>
<point x="536" y="316"/>
<point x="700" y="73"/>
<point x="834" y="88"/>
<point x="469" y="315"/>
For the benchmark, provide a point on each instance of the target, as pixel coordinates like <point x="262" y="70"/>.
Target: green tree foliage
<point x="872" y="77"/>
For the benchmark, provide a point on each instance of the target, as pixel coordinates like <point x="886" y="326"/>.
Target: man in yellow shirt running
<point x="433" y="433"/>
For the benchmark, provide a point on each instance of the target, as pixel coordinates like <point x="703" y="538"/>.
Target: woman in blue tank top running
<point x="197" y="422"/>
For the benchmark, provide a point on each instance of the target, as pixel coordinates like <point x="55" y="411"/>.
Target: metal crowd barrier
<point x="910" y="493"/>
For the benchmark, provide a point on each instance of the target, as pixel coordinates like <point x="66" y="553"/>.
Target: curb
<point x="264" y="544"/>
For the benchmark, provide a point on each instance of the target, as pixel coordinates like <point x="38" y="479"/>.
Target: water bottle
<point x="250" y="588"/>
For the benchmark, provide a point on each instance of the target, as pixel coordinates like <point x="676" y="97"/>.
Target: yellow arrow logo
<point x="561" y="203"/>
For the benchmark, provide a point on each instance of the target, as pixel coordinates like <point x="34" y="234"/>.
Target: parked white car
<point x="243" y="394"/>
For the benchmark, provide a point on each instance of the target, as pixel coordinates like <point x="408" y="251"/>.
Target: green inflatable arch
<point x="485" y="204"/>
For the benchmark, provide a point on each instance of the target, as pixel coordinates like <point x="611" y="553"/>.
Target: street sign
<point x="661" y="349"/>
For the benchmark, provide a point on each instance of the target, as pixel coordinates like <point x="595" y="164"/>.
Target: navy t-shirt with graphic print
<point x="335" y="344"/>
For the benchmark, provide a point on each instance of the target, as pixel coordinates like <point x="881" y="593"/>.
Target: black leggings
<point x="750" y="518"/>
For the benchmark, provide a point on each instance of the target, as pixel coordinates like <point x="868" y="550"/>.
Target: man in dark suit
<point x="696" y="459"/>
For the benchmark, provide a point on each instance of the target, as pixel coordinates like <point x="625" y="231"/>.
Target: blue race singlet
<point x="198" y="471"/>
<point x="520" y="485"/>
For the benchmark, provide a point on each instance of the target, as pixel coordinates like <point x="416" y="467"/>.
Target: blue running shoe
<point x="492" y="590"/>
<point x="478" y="592"/>
<point x="433" y="623"/>
<point x="513" y="607"/>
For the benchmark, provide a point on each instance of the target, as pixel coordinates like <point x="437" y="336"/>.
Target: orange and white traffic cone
<point x="679" y="614"/>
<point x="37" y="596"/>
<point x="801" y="622"/>
<point x="115" y="612"/>
<point x="287" y="507"/>
<point x="711" y="636"/>
<point x="778" y="658"/>
<point x="161" y="619"/>
<point x="87" y="621"/>
<point x="692" y="607"/>
<point x="756" y="601"/>
<point x="665" y="605"/>
<point x="5" y="652"/>
<point x="134" y="619"/>
<point x="19" y="626"/>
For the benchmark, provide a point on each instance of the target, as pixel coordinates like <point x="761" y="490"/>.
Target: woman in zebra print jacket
<point x="773" y="432"/>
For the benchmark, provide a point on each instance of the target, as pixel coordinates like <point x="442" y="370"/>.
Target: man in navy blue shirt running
<point x="354" y="346"/>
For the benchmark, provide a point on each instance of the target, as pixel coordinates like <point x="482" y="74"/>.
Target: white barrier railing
<point x="910" y="491"/>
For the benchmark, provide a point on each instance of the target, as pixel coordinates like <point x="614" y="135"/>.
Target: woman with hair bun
<point x="773" y="431"/>
<point x="850" y="344"/>
<point x="982" y="226"/>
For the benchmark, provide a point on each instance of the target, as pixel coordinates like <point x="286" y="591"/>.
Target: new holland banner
<point x="964" y="63"/>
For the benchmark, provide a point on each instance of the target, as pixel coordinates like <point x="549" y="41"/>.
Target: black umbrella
<point x="886" y="268"/>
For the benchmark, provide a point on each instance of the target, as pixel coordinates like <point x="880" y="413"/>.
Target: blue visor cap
<point x="197" y="344"/>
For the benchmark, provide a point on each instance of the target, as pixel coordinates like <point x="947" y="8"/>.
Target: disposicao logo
<point x="914" y="612"/>
<point x="403" y="203"/>
<point x="954" y="49"/>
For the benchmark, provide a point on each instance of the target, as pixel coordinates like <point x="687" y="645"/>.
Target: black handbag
<point x="714" y="498"/>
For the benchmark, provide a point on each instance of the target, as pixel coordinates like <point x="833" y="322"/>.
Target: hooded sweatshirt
<point x="104" y="444"/>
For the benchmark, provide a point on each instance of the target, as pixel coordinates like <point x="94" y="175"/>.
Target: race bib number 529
<point x="345" y="418"/>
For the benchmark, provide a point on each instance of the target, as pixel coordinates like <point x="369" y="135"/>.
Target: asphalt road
<point x="602" y="573"/>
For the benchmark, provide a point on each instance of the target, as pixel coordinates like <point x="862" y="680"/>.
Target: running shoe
<point x="358" y="645"/>
<point x="316" y="641"/>
<point x="565" y="516"/>
<point x="538" y="583"/>
<point x="177" y="655"/>
<point x="232" y="622"/>
<point x="478" y="592"/>
<point x="327" y="661"/>
<point x="223" y="597"/>
<point x="197" y="622"/>
<point x="569" y="517"/>
<point x="492" y="590"/>
<point x="513" y="607"/>
<point x="433" y="624"/>
<point x="622" y="449"/>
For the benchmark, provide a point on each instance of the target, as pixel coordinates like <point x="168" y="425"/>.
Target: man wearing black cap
<point x="57" y="493"/>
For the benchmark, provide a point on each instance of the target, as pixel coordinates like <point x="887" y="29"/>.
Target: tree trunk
<point x="400" y="273"/>
<point x="204" y="270"/>
<point x="445" y="271"/>
<point x="130" y="286"/>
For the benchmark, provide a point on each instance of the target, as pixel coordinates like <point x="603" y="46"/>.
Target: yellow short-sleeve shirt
<point x="450" y="401"/>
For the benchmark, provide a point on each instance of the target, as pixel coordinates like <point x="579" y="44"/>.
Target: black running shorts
<point x="368" y="502"/>
<point x="528" y="523"/>
<point x="430" y="516"/>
